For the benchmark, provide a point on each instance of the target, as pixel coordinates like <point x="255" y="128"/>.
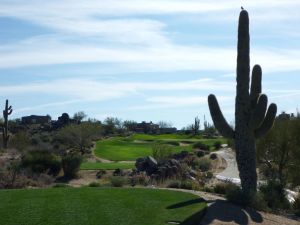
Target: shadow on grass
<point x="227" y="212"/>
<point x="220" y="210"/>
<point x="193" y="219"/>
<point x="183" y="204"/>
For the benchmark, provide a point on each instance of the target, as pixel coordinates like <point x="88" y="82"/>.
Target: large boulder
<point x="162" y="170"/>
<point x="148" y="164"/>
<point x="181" y="155"/>
<point x="140" y="164"/>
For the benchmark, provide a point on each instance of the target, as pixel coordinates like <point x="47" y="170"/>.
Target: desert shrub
<point x="40" y="180"/>
<point x="139" y="179"/>
<point x="184" y="170"/>
<point x="220" y="188"/>
<point x="200" y="153"/>
<point x="117" y="181"/>
<point x="230" y="143"/>
<point x="118" y="172"/>
<point x="213" y="156"/>
<point x="235" y="194"/>
<point x="39" y="161"/>
<point x="78" y="137"/>
<point x="186" y="184"/>
<point x="207" y="189"/>
<point x="20" y="141"/>
<point x="296" y="205"/>
<point x="202" y="164"/>
<point x="11" y="176"/>
<point x="71" y="165"/>
<point x="209" y="175"/>
<point x="274" y="195"/>
<point x="217" y="145"/>
<point x="94" y="184"/>
<point x="100" y="173"/>
<point x="201" y="145"/>
<point x="224" y="188"/>
<point x="161" y="151"/>
<point x="256" y="200"/>
<point x="278" y="152"/>
<point x="45" y="138"/>
<point x="174" y="184"/>
<point x="189" y="159"/>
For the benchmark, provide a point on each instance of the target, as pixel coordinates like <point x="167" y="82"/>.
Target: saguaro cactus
<point x="6" y="112"/>
<point x="252" y="119"/>
<point x="196" y="126"/>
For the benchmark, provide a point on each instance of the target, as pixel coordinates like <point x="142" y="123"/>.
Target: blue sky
<point x="142" y="59"/>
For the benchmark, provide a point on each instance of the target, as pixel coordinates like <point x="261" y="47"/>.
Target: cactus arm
<point x="255" y="89"/>
<point x="9" y="110"/>
<point x="259" y="112"/>
<point x="268" y="121"/>
<point x="218" y="118"/>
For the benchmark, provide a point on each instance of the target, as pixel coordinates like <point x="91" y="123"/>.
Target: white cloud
<point x="131" y="38"/>
<point x="172" y="57"/>
<point x="176" y="101"/>
<point x="92" y="90"/>
<point x="42" y="106"/>
<point x="67" y="8"/>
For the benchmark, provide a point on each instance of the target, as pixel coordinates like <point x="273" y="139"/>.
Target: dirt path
<point x="231" y="171"/>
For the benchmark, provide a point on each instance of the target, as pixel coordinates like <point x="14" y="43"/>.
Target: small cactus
<point x="252" y="119"/>
<point x="6" y="112"/>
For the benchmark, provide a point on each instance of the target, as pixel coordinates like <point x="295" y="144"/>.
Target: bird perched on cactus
<point x="252" y="118"/>
<point x="6" y="112"/>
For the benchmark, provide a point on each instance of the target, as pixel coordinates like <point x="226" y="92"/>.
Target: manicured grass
<point x="163" y="137"/>
<point x="118" y="150"/>
<point x="106" y="166"/>
<point x="140" y="145"/>
<point x="98" y="206"/>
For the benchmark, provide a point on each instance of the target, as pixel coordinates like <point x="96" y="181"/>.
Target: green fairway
<point x="106" y="166"/>
<point x="163" y="137"/>
<point x="140" y="145"/>
<point x="98" y="206"/>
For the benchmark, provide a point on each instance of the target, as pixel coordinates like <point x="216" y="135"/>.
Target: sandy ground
<point x="85" y="177"/>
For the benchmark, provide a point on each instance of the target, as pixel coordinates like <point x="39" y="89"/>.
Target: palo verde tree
<point x="252" y="119"/>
